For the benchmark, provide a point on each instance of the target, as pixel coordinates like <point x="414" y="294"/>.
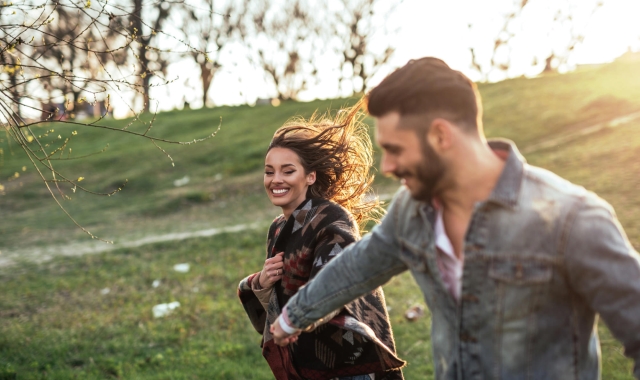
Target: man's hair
<point x="427" y="86"/>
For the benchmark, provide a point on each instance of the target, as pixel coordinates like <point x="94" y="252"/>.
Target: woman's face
<point x="285" y="180"/>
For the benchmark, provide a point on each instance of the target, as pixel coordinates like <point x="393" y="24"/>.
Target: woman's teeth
<point x="279" y="191"/>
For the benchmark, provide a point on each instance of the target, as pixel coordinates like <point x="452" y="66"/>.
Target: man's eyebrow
<point x="389" y="146"/>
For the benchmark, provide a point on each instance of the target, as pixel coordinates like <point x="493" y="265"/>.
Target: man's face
<point x="406" y="154"/>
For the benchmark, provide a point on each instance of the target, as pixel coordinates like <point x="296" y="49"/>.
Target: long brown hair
<point x="338" y="148"/>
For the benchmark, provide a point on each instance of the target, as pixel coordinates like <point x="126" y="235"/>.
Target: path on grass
<point x="571" y="136"/>
<point x="38" y="254"/>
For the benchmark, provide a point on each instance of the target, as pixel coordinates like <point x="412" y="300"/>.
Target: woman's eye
<point x="268" y="173"/>
<point x="290" y="172"/>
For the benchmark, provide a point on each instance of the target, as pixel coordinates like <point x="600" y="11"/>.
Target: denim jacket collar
<point x="507" y="189"/>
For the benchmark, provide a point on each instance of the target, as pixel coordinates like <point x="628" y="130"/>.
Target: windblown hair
<point x="338" y="148"/>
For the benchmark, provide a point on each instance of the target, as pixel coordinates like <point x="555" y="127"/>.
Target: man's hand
<point x="280" y="337"/>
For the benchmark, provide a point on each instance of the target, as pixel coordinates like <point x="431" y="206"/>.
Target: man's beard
<point x="428" y="172"/>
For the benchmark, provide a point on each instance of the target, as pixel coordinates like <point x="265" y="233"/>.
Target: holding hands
<point x="272" y="271"/>
<point x="281" y="337"/>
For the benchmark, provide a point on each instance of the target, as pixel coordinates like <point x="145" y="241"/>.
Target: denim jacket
<point x="542" y="259"/>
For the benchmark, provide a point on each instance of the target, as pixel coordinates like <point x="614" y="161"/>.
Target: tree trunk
<point x="206" y="76"/>
<point x="143" y="71"/>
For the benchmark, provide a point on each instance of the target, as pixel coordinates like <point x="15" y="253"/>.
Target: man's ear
<point x="440" y="135"/>
<point x="311" y="178"/>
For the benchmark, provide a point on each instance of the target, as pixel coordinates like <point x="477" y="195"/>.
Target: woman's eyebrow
<point x="283" y="165"/>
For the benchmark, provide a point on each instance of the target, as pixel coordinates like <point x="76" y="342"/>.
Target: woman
<point x="317" y="171"/>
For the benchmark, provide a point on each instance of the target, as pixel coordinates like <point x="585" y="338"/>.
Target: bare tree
<point x="564" y="19"/>
<point x="80" y="59"/>
<point x="556" y="23"/>
<point x="145" y="25"/>
<point x="14" y="85"/>
<point x="210" y="30"/>
<point x="355" y="24"/>
<point x="282" y="40"/>
<point x="41" y="62"/>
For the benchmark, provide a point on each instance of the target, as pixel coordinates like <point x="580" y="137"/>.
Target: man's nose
<point x="387" y="165"/>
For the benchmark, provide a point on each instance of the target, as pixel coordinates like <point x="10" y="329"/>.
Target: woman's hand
<point x="272" y="270"/>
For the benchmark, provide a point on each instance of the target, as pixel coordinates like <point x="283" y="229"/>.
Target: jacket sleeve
<point x="252" y="305"/>
<point x="330" y="242"/>
<point x="604" y="269"/>
<point x="360" y="268"/>
<point x="263" y="294"/>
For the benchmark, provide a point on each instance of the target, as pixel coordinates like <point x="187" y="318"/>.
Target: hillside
<point x="224" y="172"/>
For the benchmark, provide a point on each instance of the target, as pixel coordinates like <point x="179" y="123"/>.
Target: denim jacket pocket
<point x="517" y="271"/>
<point x="519" y="284"/>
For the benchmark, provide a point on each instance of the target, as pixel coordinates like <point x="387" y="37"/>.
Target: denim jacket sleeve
<point x="604" y="270"/>
<point x="360" y="268"/>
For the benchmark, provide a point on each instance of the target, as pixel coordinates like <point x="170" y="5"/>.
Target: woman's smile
<point x="279" y="192"/>
<point x="285" y="179"/>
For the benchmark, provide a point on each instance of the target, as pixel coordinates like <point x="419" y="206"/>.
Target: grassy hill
<point x="58" y="321"/>
<point x="224" y="172"/>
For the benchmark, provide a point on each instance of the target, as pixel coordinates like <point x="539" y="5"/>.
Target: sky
<point x="441" y="29"/>
<point x="608" y="33"/>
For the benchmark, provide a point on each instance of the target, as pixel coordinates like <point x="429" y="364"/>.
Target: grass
<point x="55" y="322"/>
<point x="71" y="329"/>
<point x="58" y="323"/>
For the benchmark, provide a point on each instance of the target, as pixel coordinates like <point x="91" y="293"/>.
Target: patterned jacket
<point x="356" y="339"/>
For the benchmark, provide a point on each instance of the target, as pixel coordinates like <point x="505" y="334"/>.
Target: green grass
<point x="55" y="322"/>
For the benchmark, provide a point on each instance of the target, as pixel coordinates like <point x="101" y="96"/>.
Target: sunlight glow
<point x="440" y="29"/>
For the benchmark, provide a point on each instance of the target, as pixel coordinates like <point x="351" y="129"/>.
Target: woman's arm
<point x="251" y="304"/>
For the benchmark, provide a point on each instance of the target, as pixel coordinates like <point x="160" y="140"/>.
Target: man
<point x="514" y="262"/>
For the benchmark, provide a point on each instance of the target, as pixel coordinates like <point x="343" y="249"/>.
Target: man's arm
<point x="605" y="270"/>
<point x="360" y="268"/>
